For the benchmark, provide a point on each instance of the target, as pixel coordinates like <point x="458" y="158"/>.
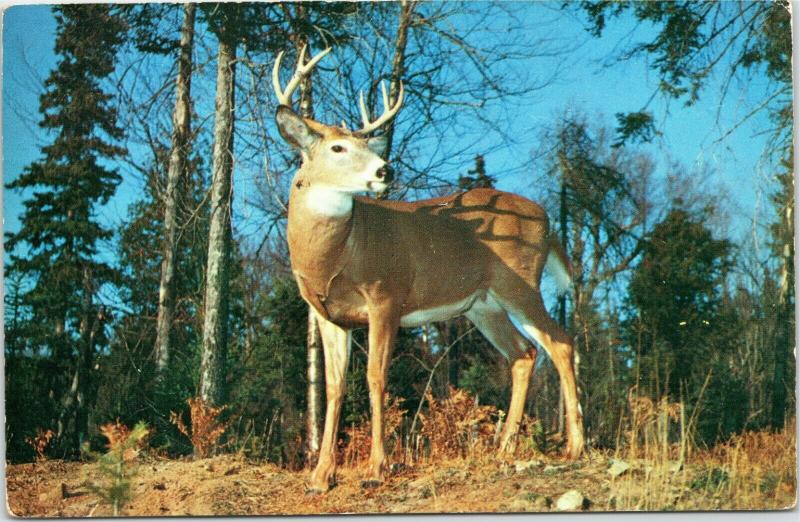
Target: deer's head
<point x="335" y="157"/>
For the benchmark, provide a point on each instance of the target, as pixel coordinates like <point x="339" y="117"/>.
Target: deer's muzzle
<point x="385" y="173"/>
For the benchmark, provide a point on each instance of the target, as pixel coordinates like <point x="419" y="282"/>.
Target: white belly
<point x="439" y="313"/>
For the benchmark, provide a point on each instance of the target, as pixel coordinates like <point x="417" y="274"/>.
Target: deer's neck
<point x="319" y="226"/>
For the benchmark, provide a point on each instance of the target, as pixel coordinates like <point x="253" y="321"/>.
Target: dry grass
<point x="206" y="428"/>
<point x="753" y="470"/>
<point x="455" y="468"/>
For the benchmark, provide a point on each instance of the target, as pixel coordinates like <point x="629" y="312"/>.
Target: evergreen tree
<point x="687" y="43"/>
<point x="680" y="330"/>
<point x="56" y="248"/>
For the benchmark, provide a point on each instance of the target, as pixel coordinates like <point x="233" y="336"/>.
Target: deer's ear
<point x="294" y="129"/>
<point x="378" y="144"/>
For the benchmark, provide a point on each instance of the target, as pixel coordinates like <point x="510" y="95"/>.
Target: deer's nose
<point x="385" y="173"/>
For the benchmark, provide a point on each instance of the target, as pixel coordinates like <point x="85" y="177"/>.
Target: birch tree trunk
<point x="181" y="121"/>
<point x="784" y="323"/>
<point x="316" y="384"/>
<point x="316" y="363"/>
<point x="215" y="322"/>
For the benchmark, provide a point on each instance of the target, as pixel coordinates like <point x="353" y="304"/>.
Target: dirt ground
<point x="227" y="485"/>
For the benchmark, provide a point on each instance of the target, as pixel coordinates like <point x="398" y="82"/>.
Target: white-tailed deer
<point x="385" y="264"/>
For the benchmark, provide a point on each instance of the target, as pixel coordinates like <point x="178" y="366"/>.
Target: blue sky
<point x="690" y="135"/>
<point x="28" y="36"/>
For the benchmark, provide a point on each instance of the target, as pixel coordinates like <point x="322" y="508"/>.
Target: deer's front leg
<point x="383" y="325"/>
<point x="336" y="347"/>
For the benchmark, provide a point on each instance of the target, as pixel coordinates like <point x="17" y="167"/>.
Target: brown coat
<point x="428" y="253"/>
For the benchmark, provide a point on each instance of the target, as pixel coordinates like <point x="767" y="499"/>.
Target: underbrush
<point x="659" y="467"/>
<point x="752" y="470"/>
<point x="452" y="441"/>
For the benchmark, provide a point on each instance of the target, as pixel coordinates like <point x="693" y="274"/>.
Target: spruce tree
<point x="679" y="328"/>
<point x="56" y="249"/>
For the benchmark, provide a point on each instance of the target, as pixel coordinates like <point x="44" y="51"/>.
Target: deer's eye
<point x="338" y="148"/>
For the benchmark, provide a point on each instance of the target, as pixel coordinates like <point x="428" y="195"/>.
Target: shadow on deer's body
<point x="386" y="264"/>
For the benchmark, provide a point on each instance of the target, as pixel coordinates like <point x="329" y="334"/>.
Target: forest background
<point x="146" y="187"/>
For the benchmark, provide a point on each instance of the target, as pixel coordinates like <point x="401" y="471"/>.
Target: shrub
<point x="453" y="426"/>
<point x="40" y="442"/>
<point x="206" y="428"/>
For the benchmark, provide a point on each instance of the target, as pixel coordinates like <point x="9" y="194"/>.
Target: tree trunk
<point x="314" y="403"/>
<point x="398" y="64"/>
<point x="78" y="398"/>
<point x="562" y="218"/>
<point x="84" y="364"/>
<point x="784" y="324"/>
<point x="398" y="69"/>
<point x="215" y="321"/>
<point x="181" y="121"/>
<point x="316" y="365"/>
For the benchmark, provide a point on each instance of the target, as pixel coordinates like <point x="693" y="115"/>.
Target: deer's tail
<point x="558" y="264"/>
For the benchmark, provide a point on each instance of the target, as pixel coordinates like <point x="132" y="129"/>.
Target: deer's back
<point x="454" y="244"/>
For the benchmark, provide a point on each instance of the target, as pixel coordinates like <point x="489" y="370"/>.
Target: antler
<point x="388" y="112"/>
<point x="285" y="96"/>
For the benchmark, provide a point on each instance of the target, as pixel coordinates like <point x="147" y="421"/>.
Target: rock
<point x="521" y="466"/>
<point x="570" y="501"/>
<point x="520" y="505"/>
<point x="618" y="467"/>
<point x="538" y="502"/>
<point x="541" y="503"/>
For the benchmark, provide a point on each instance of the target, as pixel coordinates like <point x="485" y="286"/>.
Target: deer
<point x="383" y="264"/>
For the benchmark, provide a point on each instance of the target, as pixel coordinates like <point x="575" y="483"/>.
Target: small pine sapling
<point x="115" y="469"/>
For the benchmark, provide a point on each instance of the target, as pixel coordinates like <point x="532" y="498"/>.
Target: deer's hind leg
<point x="493" y="322"/>
<point x="526" y="306"/>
